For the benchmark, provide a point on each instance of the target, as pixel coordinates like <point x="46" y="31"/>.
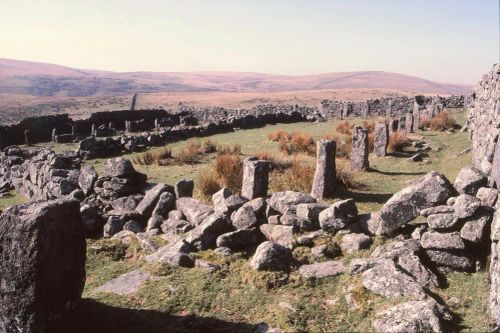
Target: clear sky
<point x="444" y="40"/>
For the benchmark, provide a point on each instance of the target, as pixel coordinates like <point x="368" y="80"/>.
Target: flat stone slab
<point x="126" y="284"/>
<point x="322" y="269"/>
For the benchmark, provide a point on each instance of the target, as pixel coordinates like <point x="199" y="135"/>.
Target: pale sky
<point x="443" y="40"/>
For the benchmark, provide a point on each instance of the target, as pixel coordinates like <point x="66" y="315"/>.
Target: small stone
<point x="322" y="269"/>
<point x="488" y="196"/>
<point x="338" y="216"/>
<point x="271" y="256"/>
<point x="469" y="180"/>
<point x="279" y="234"/>
<point x="354" y="242"/>
<point x="466" y="205"/>
<point x="436" y="240"/>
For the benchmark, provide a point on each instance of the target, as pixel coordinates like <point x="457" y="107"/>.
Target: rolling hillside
<point x="40" y="79"/>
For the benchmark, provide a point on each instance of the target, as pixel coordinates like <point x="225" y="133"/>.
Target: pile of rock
<point x="40" y="174"/>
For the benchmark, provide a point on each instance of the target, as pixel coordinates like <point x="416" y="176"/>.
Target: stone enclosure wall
<point x="41" y="128"/>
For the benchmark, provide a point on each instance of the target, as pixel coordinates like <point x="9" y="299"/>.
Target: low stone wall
<point x="40" y="128"/>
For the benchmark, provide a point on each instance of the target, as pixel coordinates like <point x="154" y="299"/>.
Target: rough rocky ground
<point x="235" y="298"/>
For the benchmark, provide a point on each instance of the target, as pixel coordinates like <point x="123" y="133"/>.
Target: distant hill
<point x="41" y="79"/>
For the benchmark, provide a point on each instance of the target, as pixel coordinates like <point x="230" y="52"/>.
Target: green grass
<point x="14" y="199"/>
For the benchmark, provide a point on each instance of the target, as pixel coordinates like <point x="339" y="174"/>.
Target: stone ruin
<point x="121" y="204"/>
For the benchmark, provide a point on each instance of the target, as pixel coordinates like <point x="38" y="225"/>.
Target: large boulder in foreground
<point x="431" y="190"/>
<point x="42" y="264"/>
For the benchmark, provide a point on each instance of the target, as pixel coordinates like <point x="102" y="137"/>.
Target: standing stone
<point x="42" y="264"/>
<point x="157" y="124"/>
<point x="389" y="108"/>
<point x="416" y="119"/>
<point x="365" y="110"/>
<point x="255" y="178"/>
<point x="401" y="124"/>
<point x="359" y="153"/>
<point x="127" y="125"/>
<point x="111" y="125"/>
<point x="324" y="176"/>
<point x="184" y="188"/>
<point x="27" y="137"/>
<point x="381" y="138"/>
<point x="54" y="134"/>
<point x="409" y="123"/>
<point x="393" y="126"/>
<point x="92" y="130"/>
<point x="74" y="131"/>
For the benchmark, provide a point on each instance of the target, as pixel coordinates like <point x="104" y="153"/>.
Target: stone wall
<point x="484" y="121"/>
<point x="40" y="128"/>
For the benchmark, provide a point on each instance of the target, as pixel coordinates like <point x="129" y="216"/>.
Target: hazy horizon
<point x="444" y="41"/>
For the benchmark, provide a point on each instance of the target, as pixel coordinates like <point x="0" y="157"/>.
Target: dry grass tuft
<point x="298" y="142"/>
<point x="158" y="157"/>
<point x="423" y="122"/>
<point x="398" y="141"/>
<point x="276" y="163"/>
<point x="443" y="121"/>
<point x="344" y="127"/>
<point x="344" y="144"/>
<point x="277" y="136"/>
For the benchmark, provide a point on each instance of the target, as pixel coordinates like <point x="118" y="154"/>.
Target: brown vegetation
<point x="398" y="141"/>
<point x="297" y="142"/>
<point x="443" y="121"/>
<point x="158" y="157"/>
<point x="227" y="171"/>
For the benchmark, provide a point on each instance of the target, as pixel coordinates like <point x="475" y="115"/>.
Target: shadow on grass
<point x="379" y="198"/>
<point x="397" y="173"/>
<point x="95" y="317"/>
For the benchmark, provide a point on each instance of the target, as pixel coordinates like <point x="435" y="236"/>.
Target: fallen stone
<point x="297" y="222"/>
<point x="412" y="265"/>
<point x="466" y="205"/>
<point x="388" y="281"/>
<point x="354" y="242"/>
<point x="86" y="180"/>
<point x="410" y="317"/>
<point x="288" y="201"/>
<point x="204" y="236"/>
<point x="244" y="218"/>
<point x="474" y="229"/>
<point x="207" y="265"/>
<point x="359" y="265"/>
<point x="431" y="190"/>
<point x="165" y="204"/>
<point x="338" y="216"/>
<point x="126" y="284"/>
<point x="457" y="260"/>
<point x="469" y="180"/>
<point x="441" y="209"/>
<point x="436" y="240"/>
<point x="148" y="203"/>
<point x="396" y="249"/>
<point x="239" y="239"/>
<point x="445" y="221"/>
<point x="279" y="234"/>
<point x="173" y="254"/>
<point x="311" y="211"/>
<point x="194" y="210"/>
<point x="488" y="196"/>
<point x="322" y="269"/>
<point x="272" y="257"/>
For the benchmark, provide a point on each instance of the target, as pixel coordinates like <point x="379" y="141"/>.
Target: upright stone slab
<point x="359" y="152"/>
<point x="27" y="137"/>
<point x="157" y="124"/>
<point x="324" y="176"/>
<point x="54" y="134"/>
<point x="381" y="138"/>
<point x="393" y="125"/>
<point x="409" y="123"/>
<point x="127" y="125"/>
<point x="388" y="112"/>
<point x="184" y="188"/>
<point x="416" y="119"/>
<point x="255" y="178"/>
<point x="402" y="123"/>
<point x="42" y="264"/>
<point x="74" y="131"/>
<point x="111" y="125"/>
<point x="92" y="130"/>
<point x="365" y="110"/>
